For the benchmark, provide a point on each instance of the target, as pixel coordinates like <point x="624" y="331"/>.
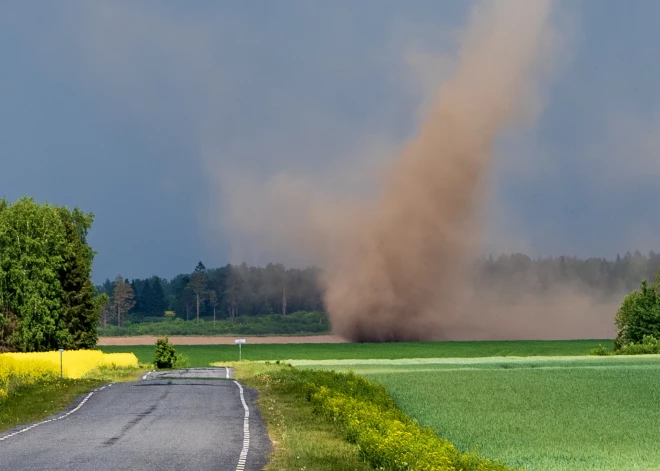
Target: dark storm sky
<point x="140" y="112"/>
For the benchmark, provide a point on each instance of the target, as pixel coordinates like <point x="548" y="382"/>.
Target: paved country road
<point x="193" y="419"/>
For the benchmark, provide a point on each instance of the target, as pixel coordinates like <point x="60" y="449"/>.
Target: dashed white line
<point x="246" y="431"/>
<point x="226" y="373"/>
<point x="147" y="374"/>
<point x="63" y="416"/>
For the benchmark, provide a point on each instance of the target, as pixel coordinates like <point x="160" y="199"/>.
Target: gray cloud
<point x="244" y="112"/>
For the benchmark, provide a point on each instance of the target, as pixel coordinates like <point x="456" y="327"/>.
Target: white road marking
<point x="63" y="416"/>
<point x="226" y="372"/>
<point x="246" y="431"/>
<point x="147" y="374"/>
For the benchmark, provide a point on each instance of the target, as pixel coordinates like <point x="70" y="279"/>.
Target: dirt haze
<point x="400" y="272"/>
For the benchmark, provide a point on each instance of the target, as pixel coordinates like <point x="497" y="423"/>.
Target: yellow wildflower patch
<point x="25" y="368"/>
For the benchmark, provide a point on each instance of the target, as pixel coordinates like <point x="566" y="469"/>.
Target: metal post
<point x="239" y="342"/>
<point x="61" y="351"/>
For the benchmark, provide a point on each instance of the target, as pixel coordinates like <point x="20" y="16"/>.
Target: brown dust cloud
<point x="398" y="267"/>
<point x="401" y="272"/>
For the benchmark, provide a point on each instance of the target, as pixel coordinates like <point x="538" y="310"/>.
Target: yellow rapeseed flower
<point x="25" y="368"/>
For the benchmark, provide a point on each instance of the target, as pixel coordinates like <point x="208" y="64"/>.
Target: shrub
<point x="165" y="354"/>
<point x="639" y="315"/>
<point x="600" y="350"/>
<point x="648" y="345"/>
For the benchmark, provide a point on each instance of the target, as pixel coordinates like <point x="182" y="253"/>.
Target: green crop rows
<point x="536" y="404"/>
<point x="544" y="413"/>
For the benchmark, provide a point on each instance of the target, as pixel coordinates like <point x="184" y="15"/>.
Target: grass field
<point x="544" y="413"/>
<point x="203" y="355"/>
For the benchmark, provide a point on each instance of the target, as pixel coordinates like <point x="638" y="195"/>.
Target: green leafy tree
<point x="639" y="315"/>
<point x="47" y="300"/>
<point x="165" y="354"/>
<point x="32" y="250"/>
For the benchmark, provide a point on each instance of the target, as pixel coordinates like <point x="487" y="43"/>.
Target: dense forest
<point x="223" y="293"/>
<point x="241" y="290"/>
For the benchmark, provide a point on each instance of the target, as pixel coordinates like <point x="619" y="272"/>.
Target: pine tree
<point x="123" y="298"/>
<point x="80" y="310"/>
<point x="158" y="297"/>
<point x="199" y="285"/>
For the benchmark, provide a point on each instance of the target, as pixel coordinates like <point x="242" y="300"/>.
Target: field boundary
<point x="217" y="339"/>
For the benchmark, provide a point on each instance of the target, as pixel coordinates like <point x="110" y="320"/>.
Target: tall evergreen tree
<point x="158" y="297"/>
<point x="80" y="310"/>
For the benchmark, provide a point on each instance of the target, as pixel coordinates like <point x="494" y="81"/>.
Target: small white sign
<point x="237" y="341"/>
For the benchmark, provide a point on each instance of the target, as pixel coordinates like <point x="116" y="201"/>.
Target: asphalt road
<point x="160" y="423"/>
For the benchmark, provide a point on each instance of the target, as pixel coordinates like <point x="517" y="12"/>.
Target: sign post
<point x="61" y="351"/>
<point x="239" y="342"/>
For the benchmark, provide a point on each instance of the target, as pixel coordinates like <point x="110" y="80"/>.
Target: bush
<point x="639" y="315"/>
<point x="385" y="436"/>
<point x="600" y="350"/>
<point x="165" y="355"/>
<point x="648" y="345"/>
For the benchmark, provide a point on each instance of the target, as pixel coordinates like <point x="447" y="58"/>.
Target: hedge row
<point x="297" y="323"/>
<point x="386" y="437"/>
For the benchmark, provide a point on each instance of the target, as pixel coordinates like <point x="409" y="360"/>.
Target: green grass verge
<point x="588" y="413"/>
<point x="301" y="439"/>
<point x="328" y="421"/>
<point x="33" y="402"/>
<point x="202" y="355"/>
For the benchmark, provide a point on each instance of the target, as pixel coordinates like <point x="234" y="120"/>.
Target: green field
<point x="544" y="413"/>
<point x="542" y="405"/>
<point x="202" y="355"/>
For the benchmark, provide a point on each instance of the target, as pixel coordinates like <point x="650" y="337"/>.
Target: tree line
<point x="47" y="298"/>
<point x="241" y="290"/>
<point x="599" y="278"/>
<point x="220" y="293"/>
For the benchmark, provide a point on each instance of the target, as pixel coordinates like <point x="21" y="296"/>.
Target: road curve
<point x="163" y="422"/>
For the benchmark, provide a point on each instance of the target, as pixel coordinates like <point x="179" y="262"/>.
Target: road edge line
<point x="63" y="416"/>
<point x="246" y="431"/>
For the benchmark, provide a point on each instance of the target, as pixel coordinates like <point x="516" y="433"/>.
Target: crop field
<point x="541" y="405"/>
<point x="542" y="413"/>
<point x="203" y="355"/>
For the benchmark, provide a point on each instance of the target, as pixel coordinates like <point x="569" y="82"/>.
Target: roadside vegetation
<point x="166" y="356"/>
<point x="332" y="421"/>
<point x="31" y="387"/>
<point x="545" y="413"/>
